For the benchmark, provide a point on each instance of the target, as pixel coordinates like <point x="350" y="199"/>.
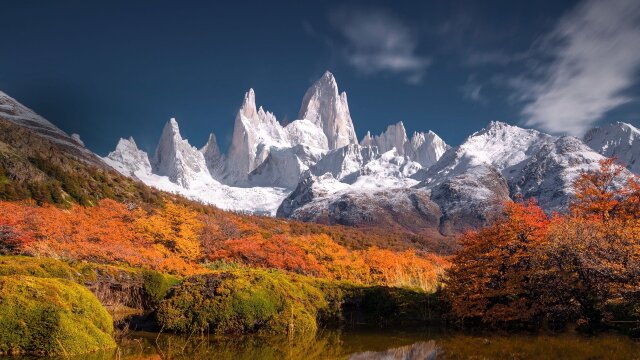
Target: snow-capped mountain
<point x="619" y="140"/>
<point x="128" y="159"/>
<point x="501" y="162"/>
<point x="423" y="148"/>
<point x="180" y="168"/>
<point x="268" y="160"/>
<point x="314" y="169"/>
<point x="297" y="145"/>
<point x="328" y="109"/>
<point x="175" y="158"/>
<point x="255" y="132"/>
<point x="469" y="183"/>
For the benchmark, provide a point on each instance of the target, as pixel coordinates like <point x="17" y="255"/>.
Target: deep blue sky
<point x="118" y="68"/>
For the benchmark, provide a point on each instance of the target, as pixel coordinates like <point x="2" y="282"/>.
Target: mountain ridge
<point x="299" y="171"/>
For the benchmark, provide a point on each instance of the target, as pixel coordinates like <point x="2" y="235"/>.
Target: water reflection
<point x="374" y="345"/>
<point x="418" y="351"/>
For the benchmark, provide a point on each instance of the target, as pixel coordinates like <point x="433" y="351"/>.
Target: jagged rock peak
<point x="394" y="137"/>
<point x="177" y="159"/>
<point x="367" y="140"/>
<point x="423" y="148"/>
<point x="128" y="159"/>
<point x="325" y="107"/>
<point x="211" y="147"/>
<point x="214" y="159"/>
<point x="128" y="143"/>
<point x="248" y="107"/>
<point x="426" y="148"/>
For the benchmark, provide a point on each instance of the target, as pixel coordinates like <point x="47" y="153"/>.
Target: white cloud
<point x="595" y="56"/>
<point x="377" y="41"/>
<point x="472" y="90"/>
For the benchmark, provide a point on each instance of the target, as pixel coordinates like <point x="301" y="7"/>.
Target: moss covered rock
<point x="116" y="286"/>
<point x="51" y="316"/>
<point x="39" y="267"/>
<point x="243" y="301"/>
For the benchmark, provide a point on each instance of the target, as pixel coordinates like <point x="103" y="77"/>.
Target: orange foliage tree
<point x="490" y="277"/>
<point x="320" y="256"/>
<point x="174" y="227"/>
<point x="583" y="266"/>
<point x="109" y="232"/>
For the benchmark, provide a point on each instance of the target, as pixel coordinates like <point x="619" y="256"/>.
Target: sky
<point x="111" y="69"/>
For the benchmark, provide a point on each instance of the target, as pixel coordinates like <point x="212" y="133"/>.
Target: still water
<point x="376" y="345"/>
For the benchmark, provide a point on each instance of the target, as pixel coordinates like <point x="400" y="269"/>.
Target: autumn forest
<point x="158" y="260"/>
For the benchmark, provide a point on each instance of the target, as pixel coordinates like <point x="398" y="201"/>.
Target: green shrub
<point x="51" y="316"/>
<point x="38" y="267"/>
<point x="268" y="301"/>
<point x="141" y="289"/>
<point x="157" y="284"/>
<point x="243" y="301"/>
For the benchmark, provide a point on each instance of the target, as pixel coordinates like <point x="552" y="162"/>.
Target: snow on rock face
<point x="345" y="163"/>
<point x="305" y="132"/>
<point x="175" y="158"/>
<point x="469" y="199"/>
<point x="254" y="133"/>
<point x="284" y="166"/>
<point x="12" y="110"/>
<point x="325" y="107"/>
<point x="389" y="170"/>
<point x="257" y="133"/>
<point x="549" y="174"/>
<point x="395" y="137"/>
<point x="423" y="148"/>
<point x="215" y="160"/>
<point x="532" y="163"/>
<point x="324" y="199"/>
<point x="620" y="140"/>
<point x="426" y="148"/>
<point x="128" y="159"/>
<point x="346" y="172"/>
<point x="500" y="145"/>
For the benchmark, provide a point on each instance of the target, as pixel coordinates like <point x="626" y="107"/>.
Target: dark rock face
<point x="465" y="201"/>
<point x="408" y="208"/>
<point x="303" y="194"/>
<point x="470" y="200"/>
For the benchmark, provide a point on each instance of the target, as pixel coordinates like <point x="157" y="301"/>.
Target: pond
<point x="376" y="345"/>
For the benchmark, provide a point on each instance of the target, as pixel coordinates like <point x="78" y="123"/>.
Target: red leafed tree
<point x="490" y="277"/>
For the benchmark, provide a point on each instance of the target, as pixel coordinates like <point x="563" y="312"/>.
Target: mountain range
<point x="315" y="169"/>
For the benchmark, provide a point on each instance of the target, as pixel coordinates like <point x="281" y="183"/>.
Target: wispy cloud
<point x="377" y="41"/>
<point x="594" y="56"/>
<point x="472" y="90"/>
<point x="476" y="58"/>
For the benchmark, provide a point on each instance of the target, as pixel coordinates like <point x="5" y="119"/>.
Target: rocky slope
<point x="17" y="113"/>
<point x="619" y="140"/>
